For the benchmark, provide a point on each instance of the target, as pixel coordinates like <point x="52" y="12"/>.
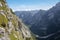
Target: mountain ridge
<point x="46" y="23"/>
<point x="11" y="27"/>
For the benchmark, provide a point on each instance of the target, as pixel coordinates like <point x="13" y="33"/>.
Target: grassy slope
<point x="3" y="20"/>
<point x="14" y="21"/>
<point x="17" y="33"/>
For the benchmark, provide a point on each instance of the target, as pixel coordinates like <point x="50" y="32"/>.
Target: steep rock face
<point x="11" y="27"/>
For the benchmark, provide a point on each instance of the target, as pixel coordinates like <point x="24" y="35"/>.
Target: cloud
<point x="30" y="7"/>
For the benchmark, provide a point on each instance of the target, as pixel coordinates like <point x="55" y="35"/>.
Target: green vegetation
<point x="3" y="1"/>
<point x="3" y="20"/>
<point x="12" y="11"/>
<point x="33" y="36"/>
<point x="15" y="34"/>
<point x="1" y="35"/>
<point x="12" y="37"/>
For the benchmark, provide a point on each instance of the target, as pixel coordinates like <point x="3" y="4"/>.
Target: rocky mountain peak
<point x="58" y="4"/>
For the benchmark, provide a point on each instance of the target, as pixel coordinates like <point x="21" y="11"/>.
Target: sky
<point x="25" y="5"/>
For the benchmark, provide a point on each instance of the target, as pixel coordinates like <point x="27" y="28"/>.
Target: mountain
<point x="45" y="24"/>
<point x="49" y="25"/>
<point x="36" y="21"/>
<point x="11" y="26"/>
<point x="26" y="16"/>
<point x="30" y="20"/>
<point x="51" y="20"/>
<point x="29" y="17"/>
<point x="32" y="12"/>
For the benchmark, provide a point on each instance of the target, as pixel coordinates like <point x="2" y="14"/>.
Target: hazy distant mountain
<point x="32" y="12"/>
<point x="26" y="16"/>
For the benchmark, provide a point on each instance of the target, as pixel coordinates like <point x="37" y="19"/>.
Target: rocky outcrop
<point x="11" y="27"/>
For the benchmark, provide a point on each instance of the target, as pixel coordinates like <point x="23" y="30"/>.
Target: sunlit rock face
<point x="0" y="4"/>
<point x="11" y="27"/>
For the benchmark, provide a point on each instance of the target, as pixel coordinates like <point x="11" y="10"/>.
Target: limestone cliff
<point x="11" y="27"/>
